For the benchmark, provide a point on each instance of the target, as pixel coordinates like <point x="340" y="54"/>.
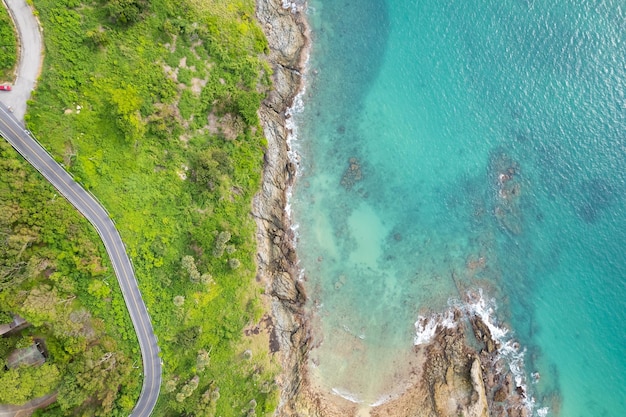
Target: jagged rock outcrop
<point x="286" y="33"/>
<point x="457" y="380"/>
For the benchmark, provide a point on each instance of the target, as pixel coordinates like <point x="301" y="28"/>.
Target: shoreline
<point x="452" y="373"/>
<point x="286" y="30"/>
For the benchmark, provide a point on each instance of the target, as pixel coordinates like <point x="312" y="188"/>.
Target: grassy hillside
<point x="8" y="46"/>
<point x="152" y="106"/>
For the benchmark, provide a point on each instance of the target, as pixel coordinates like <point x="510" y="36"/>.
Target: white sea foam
<point x="290" y="5"/>
<point x="296" y="108"/>
<point x="485" y="309"/>
<point x="543" y="411"/>
<point x="347" y="395"/>
<point x="426" y="327"/>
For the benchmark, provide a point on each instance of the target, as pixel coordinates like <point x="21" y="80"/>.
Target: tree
<point x="179" y="300"/>
<point x="12" y="392"/>
<point x="189" y="265"/>
<point x="48" y="377"/>
<point x="188" y="389"/>
<point x="206" y="279"/>
<point x="234" y="263"/>
<point x="22" y="384"/>
<point x="125" y="105"/>
<point x="170" y="386"/>
<point x="40" y="306"/>
<point x="126" y="12"/>
<point x="5" y="317"/>
<point x="220" y="243"/>
<point x="98" y="37"/>
<point x="202" y="360"/>
<point x="98" y="289"/>
<point x="95" y="379"/>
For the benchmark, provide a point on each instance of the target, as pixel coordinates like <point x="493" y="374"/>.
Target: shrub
<point x="179" y="300"/>
<point x="234" y="263"/>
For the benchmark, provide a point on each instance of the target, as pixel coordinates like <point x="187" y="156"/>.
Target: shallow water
<point x="448" y="146"/>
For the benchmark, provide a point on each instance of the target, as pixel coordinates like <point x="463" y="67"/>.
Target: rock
<point x="285" y="287"/>
<point x="352" y="174"/>
<point x="482" y="333"/>
<point x="500" y="395"/>
<point x="286" y="34"/>
<point x="480" y="408"/>
<point x="441" y="397"/>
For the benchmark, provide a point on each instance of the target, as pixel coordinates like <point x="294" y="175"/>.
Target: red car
<point x="5" y="88"/>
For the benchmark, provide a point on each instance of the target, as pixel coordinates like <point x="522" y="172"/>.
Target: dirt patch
<point x="197" y="84"/>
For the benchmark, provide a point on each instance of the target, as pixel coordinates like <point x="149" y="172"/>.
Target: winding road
<point x="12" y="129"/>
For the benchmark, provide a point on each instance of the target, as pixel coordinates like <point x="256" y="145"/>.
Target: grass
<point x="8" y="47"/>
<point x="125" y="106"/>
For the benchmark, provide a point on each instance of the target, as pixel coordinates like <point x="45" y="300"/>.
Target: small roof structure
<point x="18" y="323"/>
<point x="29" y="356"/>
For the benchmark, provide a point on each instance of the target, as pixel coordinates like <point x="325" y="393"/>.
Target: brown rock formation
<point x="457" y="381"/>
<point x="286" y="33"/>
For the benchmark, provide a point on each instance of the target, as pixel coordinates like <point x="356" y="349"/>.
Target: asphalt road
<point x="30" y="149"/>
<point x="12" y="130"/>
<point x="29" y="65"/>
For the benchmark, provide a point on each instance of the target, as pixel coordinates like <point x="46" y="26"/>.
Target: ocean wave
<point x="290" y="5"/>
<point x="543" y="411"/>
<point x="347" y="395"/>
<point x="426" y="327"/>
<point x="297" y="107"/>
<point x="485" y="309"/>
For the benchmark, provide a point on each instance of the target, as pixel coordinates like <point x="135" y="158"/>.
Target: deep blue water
<point x="454" y="145"/>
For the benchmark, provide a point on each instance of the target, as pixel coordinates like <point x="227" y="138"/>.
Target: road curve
<point x="29" y="67"/>
<point x="30" y="56"/>
<point x="30" y="149"/>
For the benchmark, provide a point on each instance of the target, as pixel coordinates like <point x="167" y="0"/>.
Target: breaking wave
<point x="426" y="327"/>
<point x="353" y="398"/>
<point x="485" y="309"/>
<point x="297" y="107"/>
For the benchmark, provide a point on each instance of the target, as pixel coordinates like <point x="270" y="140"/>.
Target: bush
<point x="234" y="263"/>
<point x="126" y="12"/>
<point x="8" y="45"/>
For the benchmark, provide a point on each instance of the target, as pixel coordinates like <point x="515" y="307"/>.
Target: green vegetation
<point x="54" y="274"/>
<point x="153" y="107"/>
<point x="33" y="382"/>
<point x="8" y="46"/>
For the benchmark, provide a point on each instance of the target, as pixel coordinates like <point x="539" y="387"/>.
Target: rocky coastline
<point x="287" y="33"/>
<point x="460" y="372"/>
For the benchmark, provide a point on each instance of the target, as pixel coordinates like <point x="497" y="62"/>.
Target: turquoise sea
<point x="448" y="146"/>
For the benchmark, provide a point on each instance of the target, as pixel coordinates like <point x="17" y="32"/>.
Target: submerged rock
<point x="505" y="174"/>
<point x="352" y="174"/>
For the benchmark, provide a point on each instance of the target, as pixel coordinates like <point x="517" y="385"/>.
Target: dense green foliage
<point x="52" y="273"/>
<point x="155" y="111"/>
<point x="34" y="382"/>
<point x="8" y="46"/>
